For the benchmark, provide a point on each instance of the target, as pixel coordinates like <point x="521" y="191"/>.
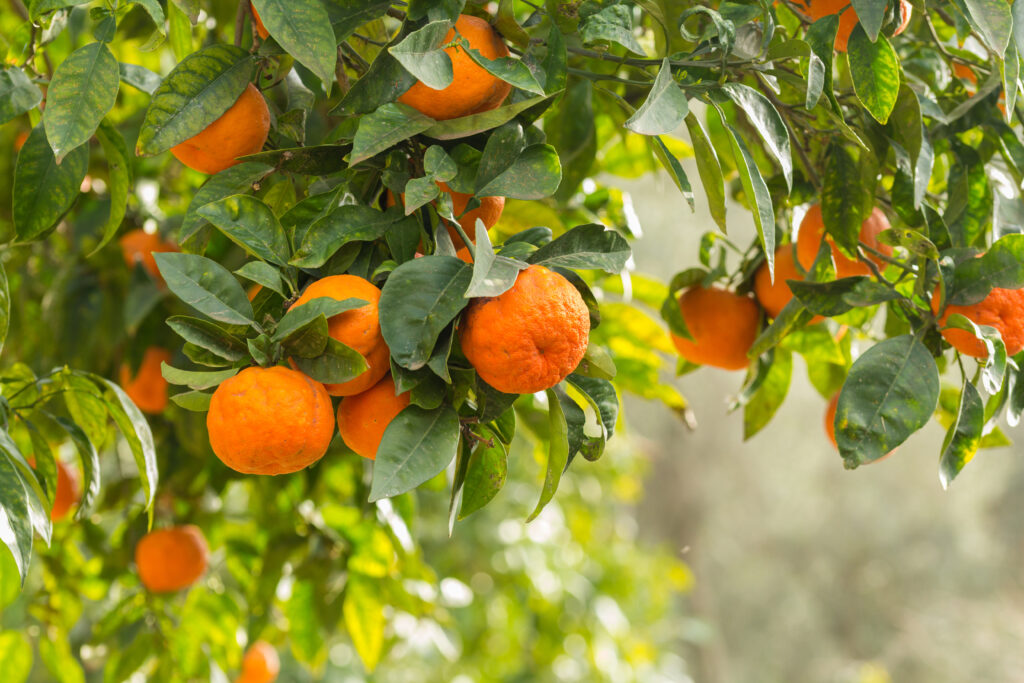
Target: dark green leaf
<point x="420" y="54"/>
<point x="206" y="286"/>
<point x="875" y="71"/>
<point x="709" y="168"/>
<point x="119" y="179"/>
<point x="300" y="316"/>
<point x="842" y="205"/>
<point x="234" y="180"/>
<point x="43" y="189"/>
<point x="83" y="90"/>
<point x="767" y="121"/>
<point x="195" y="380"/>
<point x="992" y="20"/>
<point x="5" y="305"/>
<point x="17" y="527"/>
<point x="492" y="275"/>
<point x="464" y="126"/>
<point x="17" y="94"/>
<point x="349" y="223"/>
<point x="839" y="296"/>
<point x="250" y="224"/>
<point x="765" y="402"/>
<point x="589" y="246"/>
<point x="384" y="128"/>
<point x="90" y="460"/>
<point x="209" y="336"/>
<point x="964" y="436"/>
<point x="417" y="445"/>
<point x="1001" y="266"/>
<point x="136" y="432"/>
<point x="263" y="274"/>
<point x="534" y="175"/>
<point x="871" y="15"/>
<point x="558" y="452"/>
<point x="336" y="365"/>
<point x="303" y="29"/>
<point x="485" y="475"/>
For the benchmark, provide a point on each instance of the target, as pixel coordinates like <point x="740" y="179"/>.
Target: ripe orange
<point x="531" y="337"/>
<point x="363" y="418"/>
<point x="257" y="24"/>
<point x="473" y="90"/>
<point x="464" y="255"/>
<point x="358" y="328"/>
<point x="239" y="131"/>
<point x="19" y="140"/>
<point x="773" y="297"/>
<point x="138" y="246"/>
<point x="1002" y="309"/>
<point x="489" y="212"/>
<point x="818" y="9"/>
<point x="812" y="230"/>
<point x="830" y="427"/>
<point x="67" y="493"/>
<point x="964" y="72"/>
<point x="148" y="389"/>
<point x="270" y="421"/>
<point x="260" y="664"/>
<point x="171" y="559"/>
<point x="723" y="325"/>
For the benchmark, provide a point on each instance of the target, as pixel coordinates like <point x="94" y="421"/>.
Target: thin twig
<point x="240" y="15"/>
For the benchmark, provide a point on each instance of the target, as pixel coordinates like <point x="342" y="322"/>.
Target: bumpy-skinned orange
<point x="529" y="338"/>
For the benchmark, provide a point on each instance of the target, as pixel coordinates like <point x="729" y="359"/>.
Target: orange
<point x="723" y="325"/>
<point x="464" y="255"/>
<point x="239" y="131"/>
<point x="253" y="292"/>
<point x="473" y="90"/>
<point x="19" y="140"/>
<point x="171" y="559"/>
<point x="830" y="428"/>
<point x="257" y="24"/>
<point x="1002" y="309"/>
<point x="148" y="388"/>
<point x="363" y="418"/>
<point x="270" y="421"/>
<point x="260" y="664"/>
<point x="138" y="246"/>
<point x="67" y="493"/>
<point x="818" y="9"/>
<point x="358" y="328"/>
<point x="773" y="297"/>
<point x="489" y="212"/>
<point x="812" y="230"/>
<point x="529" y="338"/>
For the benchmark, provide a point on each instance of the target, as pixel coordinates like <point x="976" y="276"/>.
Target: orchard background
<point x="898" y="138"/>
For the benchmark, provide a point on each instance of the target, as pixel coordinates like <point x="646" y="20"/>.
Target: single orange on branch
<point x="147" y="388"/>
<point x="270" y="421"/>
<point x="812" y="232"/>
<point x="1002" y="309"/>
<point x="240" y="131"/>
<point x="138" y="246"/>
<point x="529" y="338"/>
<point x="363" y="418"/>
<point x="171" y="559"/>
<point x="473" y="89"/>
<point x="358" y="328"/>
<point x="260" y="664"/>
<point x="723" y="325"/>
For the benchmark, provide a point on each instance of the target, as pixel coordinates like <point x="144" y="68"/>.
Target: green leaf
<point x="263" y="274"/>
<point x="768" y="123"/>
<point x="313" y="160"/>
<point x="363" y="612"/>
<point x="234" y="180"/>
<point x="758" y="198"/>
<point x="417" y="446"/>
<point x="90" y="459"/>
<point x="384" y="81"/>
<point x="43" y="189"/>
<point x="250" y="224"/>
<point x="136" y="432"/>
<point x="206" y="286"/>
<point x="590" y="246"/>
<point x="485" y="476"/>
<point x="842" y="202"/>
<point x="386" y="127"/>
<point x="16" y="529"/>
<point x="558" y="452"/>
<point x="119" y="179"/>
<point x="1001" y="266"/>
<point x="963" y="437"/>
<point x="83" y="90"/>
<point x="534" y="175"/>
<point x="417" y="302"/>
<point x="871" y="15"/>
<point x="303" y="29"/>
<point x="38" y="8"/>
<point x="492" y="275"/>
<point x="613" y="23"/>
<point x="419" y="53"/>
<point x="203" y="86"/>
<point x="209" y="336"/>
<point x="86" y="407"/>
<point x="304" y="631"/>
<point x="991" y="19"/>
<point x="180" y="29"/>
<point x="55" y="651"/>
<point x="337" y="364"/>
<point x="195" y="380"/>
<point x="193" y="401"/>
<point x="675" y="169"/>
<point x="768" y="398"/>
<point x="875" y="71"/>
<point x="665" y="106"/>
<point x="465" y="126"/>
<point x="508" y="69"/>
<point x="5" y="305"/>
<point x="891" y="392"/>
<point x="349" y="223"/>
<point x="601" y="395"/>
<point x="17" y="94"/>
<point x="709" y="168"/>
<point x="300" y="316"/>
<point x="16" y="654"/>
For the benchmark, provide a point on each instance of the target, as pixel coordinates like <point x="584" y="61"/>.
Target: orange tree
<point x="265" y="270"/>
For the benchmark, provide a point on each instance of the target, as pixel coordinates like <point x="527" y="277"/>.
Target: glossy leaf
<point x="349" y="223"/>
<point x="963" y="437"/>
<point x="420" y="54"/>
<point x="337" y="364"/>
<point x="303" y="29"/>
<point x="250" y="224"/>
<point x="492" y="275"/>
<point x="43" y="189"/>
<point x="417" y="445"/>
<point x="209" y="336"/>
<point x="665" y="106"/>
<point x="768" y="123"/>
<point x="234" y="180"/>
<point x="386" y="127"/>
<point x="558" y="453"/>
<point x="585" y="247"/>
<point x="206" y="286"/>
<point x="534" y="175"/>
<point x="875" y="70"/>
<point x="83" y="90"/>
<point x="709" y="168"/>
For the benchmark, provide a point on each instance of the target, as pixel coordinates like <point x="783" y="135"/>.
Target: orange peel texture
<point x="812" y="231"/>
<point x="363" y="418"/>
<point x="241" y="130"/>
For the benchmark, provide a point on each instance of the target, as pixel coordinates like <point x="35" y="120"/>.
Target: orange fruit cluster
<point x="171" y="559"/>
<point x="1002" y="309"/>
<point x="473" y="89"/>
<point x="529" y="338"/>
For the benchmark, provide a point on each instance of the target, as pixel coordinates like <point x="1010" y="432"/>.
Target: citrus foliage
<point x="881" y="149"/>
